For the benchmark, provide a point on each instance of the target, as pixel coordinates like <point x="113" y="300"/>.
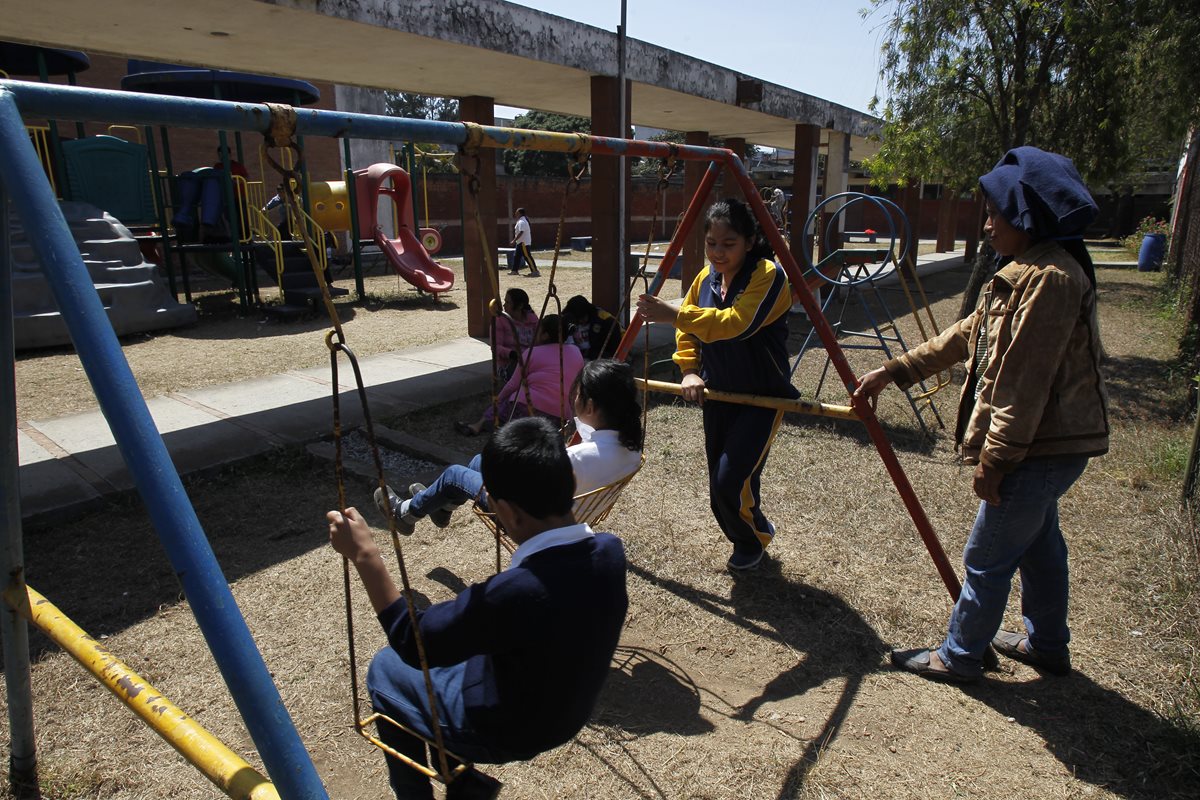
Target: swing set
<point x="233" y="649"/>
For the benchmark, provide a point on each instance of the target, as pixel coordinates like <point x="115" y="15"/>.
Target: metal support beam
<point x="146" y="456"/>
<point x="22" y="760"/>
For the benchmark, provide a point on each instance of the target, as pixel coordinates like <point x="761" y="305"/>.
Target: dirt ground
<point x="773" y="684"/>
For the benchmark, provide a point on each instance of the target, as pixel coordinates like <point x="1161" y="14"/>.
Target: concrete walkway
<point x="68" y="464"/>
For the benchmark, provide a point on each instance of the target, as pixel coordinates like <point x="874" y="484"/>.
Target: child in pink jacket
<point x="550" y="376"/>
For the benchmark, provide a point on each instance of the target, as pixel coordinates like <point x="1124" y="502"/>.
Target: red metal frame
<point x="864" y="409"/>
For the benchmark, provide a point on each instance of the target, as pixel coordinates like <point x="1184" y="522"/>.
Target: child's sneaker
<point x="744" y="559"/>
<point x="390" y="505"/>
<point x="441" y="517"/>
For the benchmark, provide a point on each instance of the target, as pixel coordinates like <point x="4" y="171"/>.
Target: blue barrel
<point x="1150" y="256"/>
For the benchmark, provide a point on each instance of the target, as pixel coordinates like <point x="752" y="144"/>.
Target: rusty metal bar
<point x="798" y="406"/>
<point x="225" y="768"/>
<point x="866" y="413"/>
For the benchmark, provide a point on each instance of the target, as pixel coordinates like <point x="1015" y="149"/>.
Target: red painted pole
<point x="668" y="260"/>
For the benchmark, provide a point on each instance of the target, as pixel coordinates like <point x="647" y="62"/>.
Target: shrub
<point x="1133" y="242"/>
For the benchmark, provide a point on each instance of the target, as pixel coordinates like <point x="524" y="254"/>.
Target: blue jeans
<point x="1021" y="533"/>
<point x="398" y="691"/>
<point x="456" y="485"/>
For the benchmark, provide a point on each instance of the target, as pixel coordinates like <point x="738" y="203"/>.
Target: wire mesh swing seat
<point x="591" y="508"/>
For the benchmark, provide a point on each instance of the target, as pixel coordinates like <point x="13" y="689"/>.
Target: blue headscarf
<point x="1040" y="193"/>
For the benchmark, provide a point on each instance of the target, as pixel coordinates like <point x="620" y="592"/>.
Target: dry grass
<point x="770" y="685"/>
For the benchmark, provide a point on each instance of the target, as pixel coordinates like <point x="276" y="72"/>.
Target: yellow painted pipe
<point x="782" y="403"/>
<point x="222" y="766"/>
<point x="521" y="138"/>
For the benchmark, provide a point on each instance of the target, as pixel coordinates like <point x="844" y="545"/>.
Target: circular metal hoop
<point x="854" y="274"/>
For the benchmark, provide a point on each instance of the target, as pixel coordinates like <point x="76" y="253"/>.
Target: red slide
<point x="413" y="263"/>
<point x="405" y="253"/>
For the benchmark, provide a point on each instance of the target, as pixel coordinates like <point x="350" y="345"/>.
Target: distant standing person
<point x="522" y="239"/>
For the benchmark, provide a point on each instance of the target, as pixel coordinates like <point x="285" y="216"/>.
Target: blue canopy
<point x="22" y="59"/>
<point x="217" y="84"/>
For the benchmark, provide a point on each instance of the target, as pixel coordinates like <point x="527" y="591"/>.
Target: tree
<point x="422" y="106"/>
<point x="648" y="167"/>
<point x="532" y="162"/>
<point x="970" y="79"/>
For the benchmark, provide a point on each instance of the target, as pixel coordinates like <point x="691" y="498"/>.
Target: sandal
<point x="918" y="662"/>
<point x="465" y="429"/>
<point x="1009" y="644"/>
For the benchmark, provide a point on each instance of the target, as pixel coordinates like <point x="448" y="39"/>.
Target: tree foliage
<point x="648" y="167"/>
<point x="423" y="106"/>
<point x="970" y="79"/>
<point x="531" y="162"/>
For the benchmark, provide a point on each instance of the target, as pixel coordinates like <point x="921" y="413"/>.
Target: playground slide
<point x="412" y="262"/>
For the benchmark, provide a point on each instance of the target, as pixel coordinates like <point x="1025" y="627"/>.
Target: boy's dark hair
<point x="609" y="384"/>
<point x="520" y="212"/>
<point x="738" y="216"/>
<point x="526" y="463"/>
<point x="577" y="309"/>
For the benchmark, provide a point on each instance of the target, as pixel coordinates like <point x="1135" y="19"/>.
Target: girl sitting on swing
<point x="607" y="418"/>
<point x="514" y="339"/>
<point x="547" y="373"/>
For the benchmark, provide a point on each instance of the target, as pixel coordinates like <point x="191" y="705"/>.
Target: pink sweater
<point x="545" y="387"/>
<point x="506" y="344"/>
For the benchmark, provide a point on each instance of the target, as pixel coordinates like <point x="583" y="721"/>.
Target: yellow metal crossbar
<point x="782" y="403"/>
<point x="225" y="768"/>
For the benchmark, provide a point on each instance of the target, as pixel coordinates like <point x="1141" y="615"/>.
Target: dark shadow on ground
<point x="1100" y="737"/>
<point x="833" y="642"/>
<point x="1138" y="389"/>
<point x="107" y="569"/>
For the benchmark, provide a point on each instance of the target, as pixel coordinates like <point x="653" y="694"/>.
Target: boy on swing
<point x="518" y="660"/>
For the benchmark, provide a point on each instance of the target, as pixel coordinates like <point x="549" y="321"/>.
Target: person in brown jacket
<point x="1031" y="414"/>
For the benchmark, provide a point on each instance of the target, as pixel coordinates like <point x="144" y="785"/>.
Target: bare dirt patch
<point x="774" y="684"/>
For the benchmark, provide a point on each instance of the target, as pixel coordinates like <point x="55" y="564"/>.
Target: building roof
<point x="515" y="55"/>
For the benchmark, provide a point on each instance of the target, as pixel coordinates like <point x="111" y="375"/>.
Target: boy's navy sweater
<point x="537" y="640"/>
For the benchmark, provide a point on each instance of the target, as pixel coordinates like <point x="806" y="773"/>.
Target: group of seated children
<point x="528" y="358"/>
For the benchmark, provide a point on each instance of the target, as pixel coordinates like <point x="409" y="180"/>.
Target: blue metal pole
<point x="14" y="630"/>
<point x="146" y="456"/>
<point x="134" y="108"/>
<point x="73" y="103"/>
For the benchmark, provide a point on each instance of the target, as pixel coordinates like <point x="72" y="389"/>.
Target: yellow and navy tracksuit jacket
<point x="738" y="343"/>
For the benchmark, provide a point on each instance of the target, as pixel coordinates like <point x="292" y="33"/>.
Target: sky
<point x="820" y="47"/>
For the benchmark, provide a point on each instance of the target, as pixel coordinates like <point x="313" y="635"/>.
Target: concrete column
<point x="480" y="110"/>
<point x="729" y="186"/>
<point x="607" y="291"/>
<point x="837" y="179"/>
<point x="692" y="260"/>
<point x="947" y="217"/>
<point x="804" y="189"/>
